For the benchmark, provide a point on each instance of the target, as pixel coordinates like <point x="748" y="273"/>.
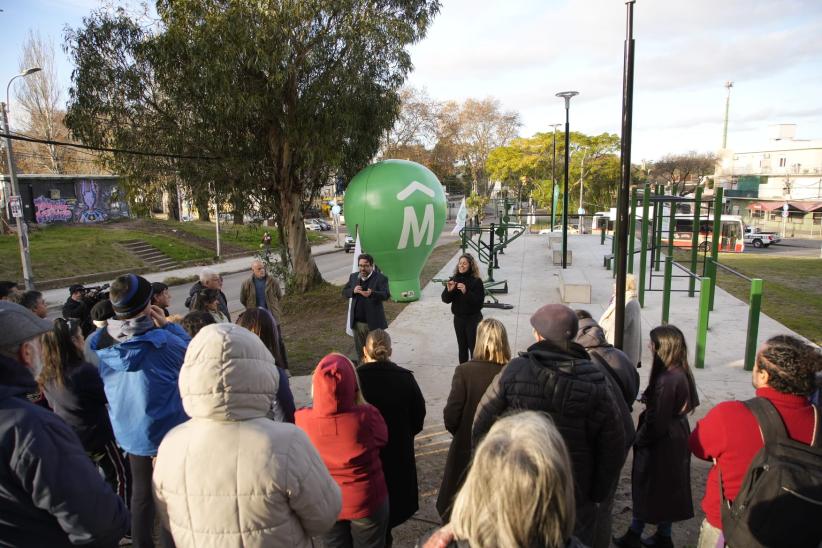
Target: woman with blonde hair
<point x="394" y="391"/>
<point x="466" y="294"/>
<point x="468" y="385"/>
<point x="661" y="474"/>
<point x="631" y="328"/>
<point x="518" y="492"/>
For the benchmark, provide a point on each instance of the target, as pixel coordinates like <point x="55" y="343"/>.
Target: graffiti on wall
<point x="93" y="202"/>
<point x="47" y="210"/>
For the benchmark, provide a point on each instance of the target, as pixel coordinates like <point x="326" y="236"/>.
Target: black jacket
<point x="81" y="402"/>
<point x="192" y="293"/>
<point x="565" y="384"/>
<point x="394" y="391"/>
<point x="50" y="492"/>
<point x="469" y="304"/>
<point x="374" y="311"/>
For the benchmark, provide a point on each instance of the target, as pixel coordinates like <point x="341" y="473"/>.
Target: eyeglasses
<point x="364" y="265"/>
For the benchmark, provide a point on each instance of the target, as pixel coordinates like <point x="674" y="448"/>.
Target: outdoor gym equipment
<point x="651" y="241"/>
<point x="499" y="236"/>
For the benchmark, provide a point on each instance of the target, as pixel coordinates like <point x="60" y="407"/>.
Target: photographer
<point x="77" y="309"/>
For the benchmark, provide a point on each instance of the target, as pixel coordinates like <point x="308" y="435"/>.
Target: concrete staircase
<point x="153" y="257"/>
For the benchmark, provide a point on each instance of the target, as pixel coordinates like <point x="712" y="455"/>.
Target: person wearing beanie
<point x="101" y="313"/>
<point x="140" y="371"/>
<point x="160" y="296"/>
<point x="556" y="376"/>
<point x="349" y="433"/>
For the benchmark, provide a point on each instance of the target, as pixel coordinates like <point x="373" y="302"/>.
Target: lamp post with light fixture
<point x="567" y="96"/>
<point x="22" y="235"/>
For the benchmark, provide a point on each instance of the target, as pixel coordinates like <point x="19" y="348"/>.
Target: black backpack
<point x="780" y="501"/>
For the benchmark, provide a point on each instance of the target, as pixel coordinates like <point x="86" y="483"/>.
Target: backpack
<point x="780" y="501"/>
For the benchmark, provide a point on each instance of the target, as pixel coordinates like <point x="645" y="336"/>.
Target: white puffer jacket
<point x="230" y="476"/>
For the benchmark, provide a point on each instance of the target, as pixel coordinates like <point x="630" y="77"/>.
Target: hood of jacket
<point x="334" y="385"/>
<point x="590" y="334"/>
<point x="228" y="375"/>
<point x="549" y="352"/>
<point x="130" y="354"/>
<point x="15" y="378"/>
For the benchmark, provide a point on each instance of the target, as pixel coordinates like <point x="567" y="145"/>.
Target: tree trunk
<point x="238" y="204"/>
<point x="305" y="271"/>
<point x="201" y="202"/>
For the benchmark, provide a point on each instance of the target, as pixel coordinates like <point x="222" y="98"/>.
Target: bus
<point x="731" y="235"/>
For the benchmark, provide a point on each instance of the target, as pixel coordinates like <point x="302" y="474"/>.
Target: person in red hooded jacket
<point x="349" y="433"/>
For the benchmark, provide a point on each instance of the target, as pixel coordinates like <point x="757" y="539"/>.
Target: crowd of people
<point x="183" y="430"/>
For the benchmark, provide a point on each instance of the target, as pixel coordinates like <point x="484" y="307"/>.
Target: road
<point x="795" y="247"/>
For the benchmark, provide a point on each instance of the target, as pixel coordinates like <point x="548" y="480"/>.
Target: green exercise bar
<point x="643" y="244"/>
<point x="666" y="292"/>
<point x="697" y="225"/>
<point x="632" y="232"/>
<point x="755" y="306"/>
<point x="702" y="322"/>
<point x="717" y="229"/>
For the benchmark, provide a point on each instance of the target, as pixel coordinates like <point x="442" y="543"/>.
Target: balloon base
<point x="404" y="291"/>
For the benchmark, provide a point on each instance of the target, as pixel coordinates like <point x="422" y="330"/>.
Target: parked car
<point x="758" y="238"/>
<point x="349" y="244"/>
<point x="323" y="224"/>
<point x="311" y="224"/>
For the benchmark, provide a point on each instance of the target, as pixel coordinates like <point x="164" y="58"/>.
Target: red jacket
<point x="348" y="437"/>
<point x="729" y="433"/>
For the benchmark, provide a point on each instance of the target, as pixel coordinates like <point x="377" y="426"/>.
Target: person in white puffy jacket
<point x="231" y="476"/>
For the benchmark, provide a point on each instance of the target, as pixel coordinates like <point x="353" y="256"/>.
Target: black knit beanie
<point x="130" y="294"/>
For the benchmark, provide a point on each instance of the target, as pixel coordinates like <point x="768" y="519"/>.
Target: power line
<point x="107" y="149"/>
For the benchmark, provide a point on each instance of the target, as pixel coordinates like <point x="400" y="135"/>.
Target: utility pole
<point x="581" y="210"/>
<point x="728" y="85"/>
<point x="22" y="232"/>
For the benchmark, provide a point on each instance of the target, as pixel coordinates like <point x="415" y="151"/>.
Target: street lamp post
<point x="728" y="85"/>
<point x="567" y="96"/>
<point x="554" y="178"/>
<point x="22" y="236"/>
<point x="581" y="209"/>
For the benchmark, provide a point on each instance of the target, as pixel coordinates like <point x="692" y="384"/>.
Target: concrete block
<point x="558" y="256"/>
<point x="574" y="286"/>
<point x="555" y="242"/>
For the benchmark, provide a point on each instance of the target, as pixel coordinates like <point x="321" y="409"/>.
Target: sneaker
<point x="657" y="541"/>
<point x="631" y="539"/>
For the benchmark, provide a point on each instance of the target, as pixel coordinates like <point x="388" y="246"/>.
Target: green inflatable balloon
<point x="398" y="207"/>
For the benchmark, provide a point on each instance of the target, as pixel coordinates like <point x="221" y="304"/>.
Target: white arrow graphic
<point x="412" y="188"/>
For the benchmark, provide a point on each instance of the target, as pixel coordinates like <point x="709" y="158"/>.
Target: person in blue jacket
<point x="140" y="373"/>
<point x="50" y="491"/>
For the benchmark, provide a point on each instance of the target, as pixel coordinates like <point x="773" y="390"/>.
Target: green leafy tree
<point x="287" y="93"/>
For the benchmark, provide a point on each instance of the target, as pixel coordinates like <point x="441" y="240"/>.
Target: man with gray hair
<point x="261" y="290"/>
<point x="50" y="492"/>
<point x="209" y="279"/>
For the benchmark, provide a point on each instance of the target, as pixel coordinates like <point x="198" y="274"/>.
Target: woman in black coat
<point x="661" y="475"/>
<point x="393" y="391"/>
<point x="75" y="392"/>
<point x="466" y="293"/>
<point x="468" y="385"/>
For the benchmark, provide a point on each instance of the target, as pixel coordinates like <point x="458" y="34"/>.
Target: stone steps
<point x="150" y="255"/>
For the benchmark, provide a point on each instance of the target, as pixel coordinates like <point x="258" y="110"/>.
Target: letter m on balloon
<point x="410" y="221"/>
<point x="411" y="225"/>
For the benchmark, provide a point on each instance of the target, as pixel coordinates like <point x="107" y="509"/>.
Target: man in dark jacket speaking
<point x="367" y="290"/>
<point x="50" y="492"/>
<point x="555" y="375"/>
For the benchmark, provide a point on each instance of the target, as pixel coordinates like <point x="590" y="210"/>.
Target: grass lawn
<point x="792" y="289"/>
<point x="61" y="251"/>
<point x="245" y="236"/>
<point x="314" y="322"/>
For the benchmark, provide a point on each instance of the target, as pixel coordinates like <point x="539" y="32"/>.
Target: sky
<point x="522" y="52"/>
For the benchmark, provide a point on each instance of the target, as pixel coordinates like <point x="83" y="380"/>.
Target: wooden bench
<point x="574" y="286"/>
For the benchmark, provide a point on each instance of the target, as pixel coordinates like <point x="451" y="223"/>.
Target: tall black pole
<point x="567" y="96"/>
<point x="625" y="176"/>
<point x="554" y="178"/>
